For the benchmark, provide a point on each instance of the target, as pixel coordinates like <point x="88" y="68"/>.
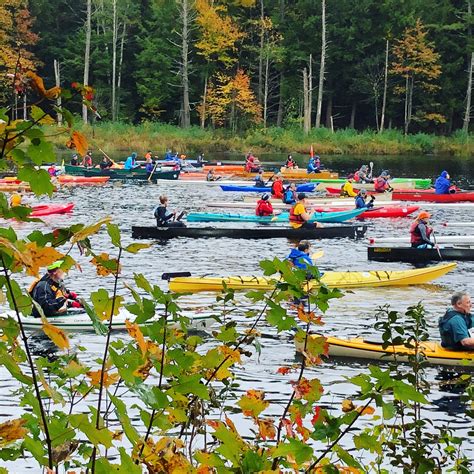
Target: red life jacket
<point x="277" y="189"/>
<point x="380" y="185"/>
<point x="415" y="234"/>
<point x="264" y="208"/>
<point x="297" y="218"/>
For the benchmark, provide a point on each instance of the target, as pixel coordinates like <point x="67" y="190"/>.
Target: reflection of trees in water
<point x="42" y="346"/>
<point x="452" y="382"/>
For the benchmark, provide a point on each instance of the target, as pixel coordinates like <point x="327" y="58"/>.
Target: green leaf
<point x="38" y="115"/>
<point x="103" y="303"/>
<point x="277" y="316"/>
<point x="37" y="450"/>
<point x="347" y="459"/>
<point x="95" y="436"/>
<point x="121" y="411"/>
<point x="407" y="393"/>
<point x="40" y="181"/>
<point x="114" y="233"/>
<point x="40" y="151"/>
<point x="19" y="157"/>
<point x="99" y="327"/>
<point x="231" y="444"/>
<point x="301" y="452"/>
<point x="135" y="248"/>
<point x="13" y="366"/>
<point x="191" y="384"/>
<point x="152" y="396"/>
<point x="142" y="283"/>
<point x="367" y="442"/>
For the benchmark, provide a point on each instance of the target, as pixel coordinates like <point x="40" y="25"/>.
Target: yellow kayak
<point x="371" y="279"/>
<point x="303" y="174"/>
<point x="359" y="348"/>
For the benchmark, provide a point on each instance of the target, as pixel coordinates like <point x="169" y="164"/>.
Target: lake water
<point x="132" y="204"/>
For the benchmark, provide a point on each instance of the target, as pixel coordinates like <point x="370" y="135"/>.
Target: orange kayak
<point x="68" y="179"/>
<point x="225" y="168"/>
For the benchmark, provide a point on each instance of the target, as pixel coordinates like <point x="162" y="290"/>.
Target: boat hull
<point x="49" y="209"/>
<point x="411" y="255"/>
<point x="164" y="233"/>
<point x="430" y="196"/>
<point x="301" y="188"/>
<point x="140" y="174"/>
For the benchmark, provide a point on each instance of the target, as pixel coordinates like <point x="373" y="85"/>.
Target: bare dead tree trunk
<point x="114" y="58"/>
<point x="467" y="114"/>
<point x="306" y="116"/>
<point x="260" y="58"/>
<point x="329" y="112"/>
<point x="57" y="76"/>
<point x="87" y="54"/>
<point x="353" y="114"/>
<point x="281" y="105"/>
<point x="408" y="103"/>
<point x="385" y="82"/>
<point x="119" y="79"/>
<point x="204" y="102"/>
<point x="322" y="65"/>
<point x="265" y="90"/>
<point x="185" y="14"/>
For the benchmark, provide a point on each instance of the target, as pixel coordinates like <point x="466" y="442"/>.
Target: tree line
<point x="235" y="64"/>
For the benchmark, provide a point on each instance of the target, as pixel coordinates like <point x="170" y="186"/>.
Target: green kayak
<point x="420" y="183"/>
<point x="120" y="173"/>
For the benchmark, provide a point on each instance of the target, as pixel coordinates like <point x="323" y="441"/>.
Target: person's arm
<point x="468" y="343"/>
<point x="423" y="234"/>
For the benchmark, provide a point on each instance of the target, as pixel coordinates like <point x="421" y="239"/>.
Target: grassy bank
<point x="158" y="137"/>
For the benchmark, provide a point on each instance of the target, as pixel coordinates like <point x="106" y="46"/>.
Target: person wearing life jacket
<point x="361" y="176"/>
<point x="290" y="195"/>
<point x="51" y="295"/>
<point x="300" y="257"/>
<point x="264" y="206"/>
<point x="313" y="166"/>
<point x="165" y="218"/>
<point x="130" y="162"/>
<point x="443" y="184"/>
<point x="259" y="181"/>
<point x="456" y="327"/>
<point x="300" y="217"/>
<point x="290" y="163"/>
<point x="381" y="183"/>
<point x="347" y="190"/>
<point x="87" y="160"/>
<point x="360" y="202"/>
<point x="252" y="164"/>
<point x="420" y="231"/>
<point x="277" y="187"/>
<point x="15" y="200"/>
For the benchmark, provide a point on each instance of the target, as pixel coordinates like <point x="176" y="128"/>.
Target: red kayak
<point x="48" y="209"/>
<point x="430" y="196"/>
<point x="388" y="211"/>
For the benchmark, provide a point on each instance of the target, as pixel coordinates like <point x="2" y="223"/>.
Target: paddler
<point x="264" y="206"/>
<point x="313" y="165"/>
<point x="87" y="160"/>
<point x="300" y="257"/>
<point x="15" y="200"/>
<point x="347" y="190"/>
<point x="420" y="231"/>
<point x="290" y="163"/>
<point x="381" y="184"/>
<point x="360" y="202"/>
<point x="443" y="184"/>
<point x="51" y="295"/>
<point x="290" y="195"/>
<point x="165" y="219"/>
<point x="130" y="162"/>
<point x="259" y="181"/>
<point x="106" y="163"/>
<point x="456" y="327"/>
<point x="211" y="175"/>
<point x="277" y="187"/>
<point x="252" y="163"/>
<point x="300" y="217"/>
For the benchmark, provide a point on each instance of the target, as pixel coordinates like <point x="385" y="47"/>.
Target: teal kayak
<point x="420" y="183"/>
<point x="329" y="217"/>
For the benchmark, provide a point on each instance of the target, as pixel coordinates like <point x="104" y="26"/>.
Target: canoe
<point x="411" y="255"/>
<point x="359" y="348"/>
<point x="269" y="232"/>
<point x="66" y="179"/>
<point x="369" y="279"/>
<point x="301" y="188"/>
<point x="120" y="173"/>
<point x="337" y="192"/>
<point x="380" y="212"/>
<point x="303" y="174"/>
<point x="330" y="217"/>
<point x="368" y="186"/>
<point x="420" y="183"/>
<point x="80" y="321"/>
<point x="429" y="196"/>
<point x="440" y="239"/>
<point x="49" y="209"/>
<point x="340" y="203"/>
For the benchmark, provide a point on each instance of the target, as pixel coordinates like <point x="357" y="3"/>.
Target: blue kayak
<point x="301" y="188"/>
<point x="329" y="217"/>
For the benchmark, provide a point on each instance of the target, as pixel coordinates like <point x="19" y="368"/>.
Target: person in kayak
<point x="130" y="162"/>
<point x="50" y="293"/>
<point x="290" y="163"/>
<point x="360" y="202"/>
<point x="15" y="200"/>
<point x="362" y="176"/>
<point x="87" y="160"/>
<point x="456" y="327"/>
<point x="443" y="184"/>
<point x="165" y="219"/>
<point x="313" y="165"/>
<point x="300" y="217"/>
<point x="106" y="163"/>
<point x="347" y="190"/>
<point x="277" y="187"/>
<point x="381" y="183"/>
<point x="300" y="257"/>
<point x="74" y="160"/>
<point x="264" y="206"/>
<point x="420" y="232"/>
<point x="211" y="175"/>
<point x="252" y="163"/>
<point x="52" y="171"/>
<point x="259" y="181"/>
<point x="290" y="195"/>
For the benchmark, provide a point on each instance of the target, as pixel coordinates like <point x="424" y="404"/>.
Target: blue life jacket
<point x="289" y="197"/>
<point x="300" y="259"/>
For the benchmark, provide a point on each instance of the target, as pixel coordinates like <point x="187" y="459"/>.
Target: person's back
<point x="443" y="183"/>
<point x="259" y="182"/>
<point x="289" y="196"/>
<point x="277" y="189"/>
<point x="264" y="206"/>
<point x="456" y="327"/>
<point x="130" y="162"/>
<point x="299" y="259"/>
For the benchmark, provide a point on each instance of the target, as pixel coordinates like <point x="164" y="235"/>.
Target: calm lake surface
<point x="132" y="204"/>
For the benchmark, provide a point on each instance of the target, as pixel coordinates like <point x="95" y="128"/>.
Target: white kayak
<point x="80" y="321"/>
<point x="440" y="239"/>
<point x="309" y="204"/>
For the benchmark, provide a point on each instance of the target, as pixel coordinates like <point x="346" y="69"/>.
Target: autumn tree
<point x="231" y="101"/>
<point x="417" y="62"/>
<point x="217" y="42"/>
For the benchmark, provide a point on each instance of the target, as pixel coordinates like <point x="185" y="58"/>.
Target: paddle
<point x="271" y="177"/>
<point x="436" y="245"/>
<point x="153" y="170"/>
<point x="317" y="255"/>
<point x="107" y="156"/>
<point x="371" y="167"/>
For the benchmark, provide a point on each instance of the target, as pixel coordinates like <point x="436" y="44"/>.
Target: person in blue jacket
<point x="290" y="195"/>
<point x="456" y="327"/>
<point x="313" y="166"/>
<point x="360" y="202"/>
<point x="443" y="183"/>
<point x="300" y="257"/>
<point x="130" y="162"/>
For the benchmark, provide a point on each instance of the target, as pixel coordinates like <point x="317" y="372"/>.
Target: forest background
<point x="357" y="77"/>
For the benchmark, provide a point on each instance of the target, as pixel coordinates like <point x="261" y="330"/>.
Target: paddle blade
<point x="317" y="255"/>
<point x="168" y="276"/>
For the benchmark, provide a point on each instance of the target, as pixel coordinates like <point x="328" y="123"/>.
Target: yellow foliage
<point x="38" y="85"/>
<point x="105" y="265"/>
<point x="12" y="430"/>
<point x="89" y="230"/>
<point x="266" y="428"/>
<point x="40" y="257"/>
<point x="253" y="403"/>
<point x="58" y="336"/>
<point x="79" y="142"/>
<point x="109" y="379"/>
<point x="230" y="353"/>
<point x="135" y="332"/>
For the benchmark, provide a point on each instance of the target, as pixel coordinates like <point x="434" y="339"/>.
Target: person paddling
<point x="361" y="176"/>
<point x="290" y="163"/>
<point x="456" y="327"/>
<point x="259" y="181"/>
<point x="165" y="219"/>
<point x="264" y="206"/>
<point x="443" y="184"/>
<point x="347" y="190"/>
<point x="51" y="295"/>
<point x="381" y="183"/>
<point x="211" y="175"/>
<point x="420" y="232"/>
<point x="290" y="195"/>
<point x="313" y="165"/>
<point x="106" y="163"/>
<point x="130" y="162"/>
<point x="360" y="202"/>
<point x="300" y="217"/>
<point x="277" y="187"/>
<point x="300" y="257"/>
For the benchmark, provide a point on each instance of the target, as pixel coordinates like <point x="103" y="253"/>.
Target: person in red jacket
<point x="277" y="187"/>
<point x="264" y="206"/>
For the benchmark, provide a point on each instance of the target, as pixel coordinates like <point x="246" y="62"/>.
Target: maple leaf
<point x="12" y="430"/>
<point x="266" y="428"/>
<point x="109" y="379"/>
<point x="135" y="332"/>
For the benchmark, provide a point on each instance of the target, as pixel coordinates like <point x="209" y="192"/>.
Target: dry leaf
<point x="136" y="333"/>
<point x="58" y="336"/>
<point x="12" y="430"/>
